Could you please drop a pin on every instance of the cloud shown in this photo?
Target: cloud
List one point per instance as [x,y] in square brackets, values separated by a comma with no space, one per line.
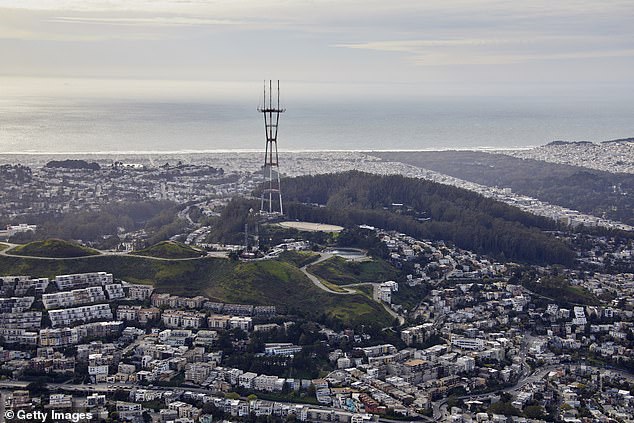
[509,49]
[412,46]
[442,59]
[351,40]
[146,21]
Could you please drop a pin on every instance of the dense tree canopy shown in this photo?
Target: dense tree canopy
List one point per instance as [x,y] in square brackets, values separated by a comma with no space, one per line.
[425,210]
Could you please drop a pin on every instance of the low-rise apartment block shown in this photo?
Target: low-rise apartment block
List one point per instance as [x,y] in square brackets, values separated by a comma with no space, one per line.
[139,292]
[75,297]
[83,314]
[15,304]
[22,320]
[83,280]
[183,319]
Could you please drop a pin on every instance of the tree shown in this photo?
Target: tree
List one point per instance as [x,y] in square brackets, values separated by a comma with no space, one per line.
[232,395]
[38,387]
[505,408]
[535,412]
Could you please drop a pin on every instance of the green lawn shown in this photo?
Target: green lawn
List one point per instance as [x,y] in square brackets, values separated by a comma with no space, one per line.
[298,258]
[169,250]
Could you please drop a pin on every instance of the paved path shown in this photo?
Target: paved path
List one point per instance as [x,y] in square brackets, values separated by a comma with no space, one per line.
[346,290]
[315,280]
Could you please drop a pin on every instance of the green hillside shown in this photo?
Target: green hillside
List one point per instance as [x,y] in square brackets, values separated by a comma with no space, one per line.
[268,282]
[53,248]
[298,258]
[170,250]
[343,272]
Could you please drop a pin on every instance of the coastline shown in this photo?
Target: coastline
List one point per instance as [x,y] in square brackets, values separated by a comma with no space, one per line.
[244,151]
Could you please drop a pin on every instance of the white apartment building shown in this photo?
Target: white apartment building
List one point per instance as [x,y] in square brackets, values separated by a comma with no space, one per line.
[18,336]
[139,292]
[247,379]
[15,304]
[82,280]
[71,316]
[468,343]
[128,313]
[23,320]
[75,297]
[580,316]
[286,349]
[114,291]
[218,321]
[95,400]
[385,294]
[183,319]
[20,285]
[98,373]
[465,364]
[377,350]
[241,322]
[205,338]
[268,383]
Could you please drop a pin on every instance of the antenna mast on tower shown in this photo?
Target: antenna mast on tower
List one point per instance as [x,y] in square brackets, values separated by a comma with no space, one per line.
[272,193]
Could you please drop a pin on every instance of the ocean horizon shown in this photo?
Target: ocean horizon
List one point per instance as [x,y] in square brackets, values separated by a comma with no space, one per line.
[72,121]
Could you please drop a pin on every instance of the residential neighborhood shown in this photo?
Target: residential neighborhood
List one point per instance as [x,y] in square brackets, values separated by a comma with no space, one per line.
[478,347]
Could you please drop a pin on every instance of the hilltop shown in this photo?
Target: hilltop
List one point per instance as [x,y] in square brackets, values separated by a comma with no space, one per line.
[56,248]
[562,142]
[73,164]
[170,250]
[343,272]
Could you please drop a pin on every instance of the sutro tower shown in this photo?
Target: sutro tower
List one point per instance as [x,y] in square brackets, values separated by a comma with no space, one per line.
[272,193]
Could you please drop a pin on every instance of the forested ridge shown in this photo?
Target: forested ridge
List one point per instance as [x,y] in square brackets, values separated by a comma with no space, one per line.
[602,194]
[73,164]
[158,217]
[426,210]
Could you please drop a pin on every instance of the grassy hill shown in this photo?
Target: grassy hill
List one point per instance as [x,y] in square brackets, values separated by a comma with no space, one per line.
[53,248]
[170,250]
[269,282]
[343,272]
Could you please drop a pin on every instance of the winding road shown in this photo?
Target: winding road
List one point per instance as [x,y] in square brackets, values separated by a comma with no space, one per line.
[346,290]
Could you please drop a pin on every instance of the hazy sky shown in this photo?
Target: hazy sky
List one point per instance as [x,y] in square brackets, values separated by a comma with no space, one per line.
[420,46]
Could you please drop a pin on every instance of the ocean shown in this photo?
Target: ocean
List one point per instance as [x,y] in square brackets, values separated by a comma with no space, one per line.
[91,123]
